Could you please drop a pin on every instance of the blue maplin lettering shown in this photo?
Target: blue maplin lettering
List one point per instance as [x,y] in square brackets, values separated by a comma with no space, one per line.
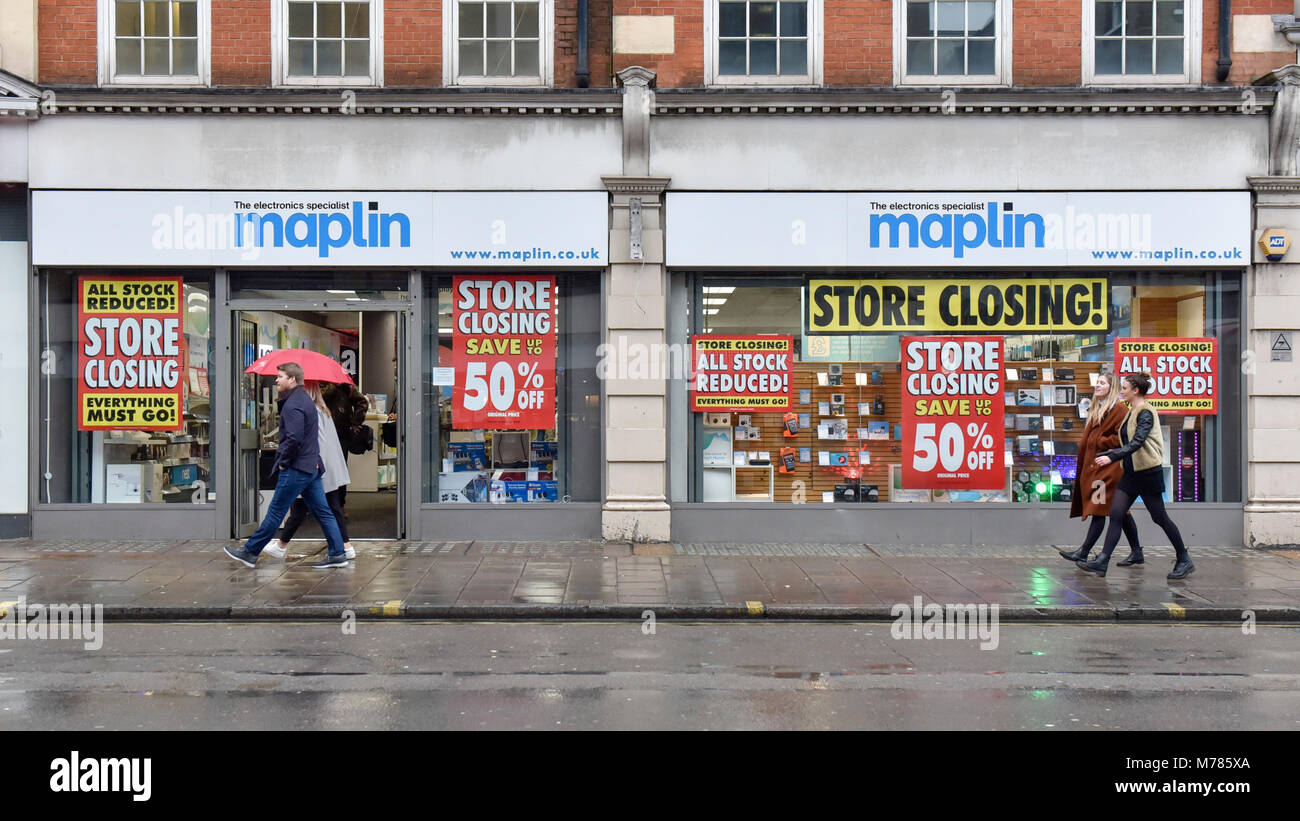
[323,231]
[958,231]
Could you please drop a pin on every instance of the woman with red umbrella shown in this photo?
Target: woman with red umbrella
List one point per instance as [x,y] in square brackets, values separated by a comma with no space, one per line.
[334,481]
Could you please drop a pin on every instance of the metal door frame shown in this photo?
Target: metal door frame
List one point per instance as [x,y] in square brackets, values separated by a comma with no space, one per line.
[408,431]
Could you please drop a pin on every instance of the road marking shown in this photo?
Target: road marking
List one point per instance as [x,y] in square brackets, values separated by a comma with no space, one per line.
[755,608]
[393,608]
[1175,610]
[4,607]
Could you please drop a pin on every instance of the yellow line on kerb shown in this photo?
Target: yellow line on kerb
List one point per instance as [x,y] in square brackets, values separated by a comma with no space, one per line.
[393,608]
[755,608]
[1175,610]
[4,607]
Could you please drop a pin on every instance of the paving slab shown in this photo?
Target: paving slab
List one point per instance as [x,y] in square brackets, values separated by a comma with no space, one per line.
[525,580]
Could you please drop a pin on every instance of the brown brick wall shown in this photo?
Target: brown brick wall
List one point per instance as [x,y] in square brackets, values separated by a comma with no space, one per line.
[599,43]
[412,43]
[1047,45]
[241,43]
[858,42]
[68,47]
[684,68]
[1246,68]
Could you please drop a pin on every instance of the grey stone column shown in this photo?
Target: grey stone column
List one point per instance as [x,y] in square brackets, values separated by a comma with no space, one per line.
[636,322]
[1272,511]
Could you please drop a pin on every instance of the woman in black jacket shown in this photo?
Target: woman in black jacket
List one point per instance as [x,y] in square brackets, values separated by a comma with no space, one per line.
[1142,451]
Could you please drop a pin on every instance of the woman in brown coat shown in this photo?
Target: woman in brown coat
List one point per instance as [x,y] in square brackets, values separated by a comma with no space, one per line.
[1100,434]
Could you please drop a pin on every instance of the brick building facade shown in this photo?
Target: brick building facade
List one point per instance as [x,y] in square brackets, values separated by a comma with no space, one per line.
[787,117]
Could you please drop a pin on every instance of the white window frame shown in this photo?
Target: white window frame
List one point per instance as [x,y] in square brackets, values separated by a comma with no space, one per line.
[815,54]
[280,52]
[1002,64]
[106,30]
[1191,75]
[545,50]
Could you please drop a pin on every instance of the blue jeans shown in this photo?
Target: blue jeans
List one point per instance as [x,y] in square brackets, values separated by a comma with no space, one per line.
[291,484]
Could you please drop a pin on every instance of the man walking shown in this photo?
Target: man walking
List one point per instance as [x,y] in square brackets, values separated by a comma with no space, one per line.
[298,460]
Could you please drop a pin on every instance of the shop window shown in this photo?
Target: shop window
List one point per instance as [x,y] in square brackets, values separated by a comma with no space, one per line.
[322,42]
[507,42]
[1141,42]
[756,42]
[952,42]
[555,461]
[842,440]
[125,388]
[152,42]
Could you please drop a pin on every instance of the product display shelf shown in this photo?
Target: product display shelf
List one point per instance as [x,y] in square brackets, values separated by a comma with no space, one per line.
[369,471]
[810,481]
[1031,463]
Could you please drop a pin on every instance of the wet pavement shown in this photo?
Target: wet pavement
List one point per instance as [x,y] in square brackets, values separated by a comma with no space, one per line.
[196,580]
[684,675]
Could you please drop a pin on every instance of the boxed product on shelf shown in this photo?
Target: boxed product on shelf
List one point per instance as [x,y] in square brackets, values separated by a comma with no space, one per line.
[543,491]
[467,455]
[179,475]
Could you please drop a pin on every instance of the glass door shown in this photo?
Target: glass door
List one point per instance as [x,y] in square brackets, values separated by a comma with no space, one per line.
[248,412]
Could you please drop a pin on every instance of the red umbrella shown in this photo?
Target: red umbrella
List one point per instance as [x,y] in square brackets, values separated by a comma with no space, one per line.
[315,367]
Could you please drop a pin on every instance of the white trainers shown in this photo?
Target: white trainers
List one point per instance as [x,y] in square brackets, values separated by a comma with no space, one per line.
[274,548]
[348,551]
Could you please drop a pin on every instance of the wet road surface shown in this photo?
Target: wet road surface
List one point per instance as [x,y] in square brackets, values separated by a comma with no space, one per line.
[722,675]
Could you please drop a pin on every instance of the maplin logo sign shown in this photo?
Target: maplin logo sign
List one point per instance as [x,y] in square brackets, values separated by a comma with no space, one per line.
[950,230]
[976,224]
[255,225]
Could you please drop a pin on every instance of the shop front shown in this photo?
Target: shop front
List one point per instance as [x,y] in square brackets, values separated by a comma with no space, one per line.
[461,317]
[917,368]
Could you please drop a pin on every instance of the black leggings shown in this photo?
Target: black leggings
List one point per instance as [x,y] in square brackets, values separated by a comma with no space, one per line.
[1099,522]
[298,512]
[1150,485]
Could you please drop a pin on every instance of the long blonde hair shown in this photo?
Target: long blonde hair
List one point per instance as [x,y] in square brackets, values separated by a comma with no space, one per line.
[313,390]
[1101,407]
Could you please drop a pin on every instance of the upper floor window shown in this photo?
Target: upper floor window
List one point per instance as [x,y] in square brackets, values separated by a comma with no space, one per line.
[153,42]
[763,42]
[1142,42]
[498,42]
[327,42]
[952,42]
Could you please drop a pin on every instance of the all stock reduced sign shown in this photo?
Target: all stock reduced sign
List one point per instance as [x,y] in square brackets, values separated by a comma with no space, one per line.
[1184,371]
[503,350]
[130,353]
[740,373]
[953,413]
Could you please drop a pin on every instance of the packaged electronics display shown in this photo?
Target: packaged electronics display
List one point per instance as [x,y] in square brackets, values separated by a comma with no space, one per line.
[815,445]
[788,460]
[791,424]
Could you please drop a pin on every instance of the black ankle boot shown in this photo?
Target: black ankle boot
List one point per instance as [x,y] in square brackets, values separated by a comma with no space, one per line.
[1182,568]
[1134,557]
[1097,565]
[1079,555]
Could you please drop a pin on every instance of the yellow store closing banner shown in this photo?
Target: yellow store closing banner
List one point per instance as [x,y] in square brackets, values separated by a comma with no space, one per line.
[977,305]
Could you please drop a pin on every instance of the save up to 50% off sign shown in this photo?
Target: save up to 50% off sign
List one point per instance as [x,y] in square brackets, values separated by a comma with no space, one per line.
[952,393]
[503,349]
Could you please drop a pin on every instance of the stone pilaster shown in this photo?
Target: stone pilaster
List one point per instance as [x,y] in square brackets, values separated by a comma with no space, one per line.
[1272,511]
[636,321]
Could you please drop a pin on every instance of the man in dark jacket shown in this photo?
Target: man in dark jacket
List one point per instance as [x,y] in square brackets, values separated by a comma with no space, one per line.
[298,461]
